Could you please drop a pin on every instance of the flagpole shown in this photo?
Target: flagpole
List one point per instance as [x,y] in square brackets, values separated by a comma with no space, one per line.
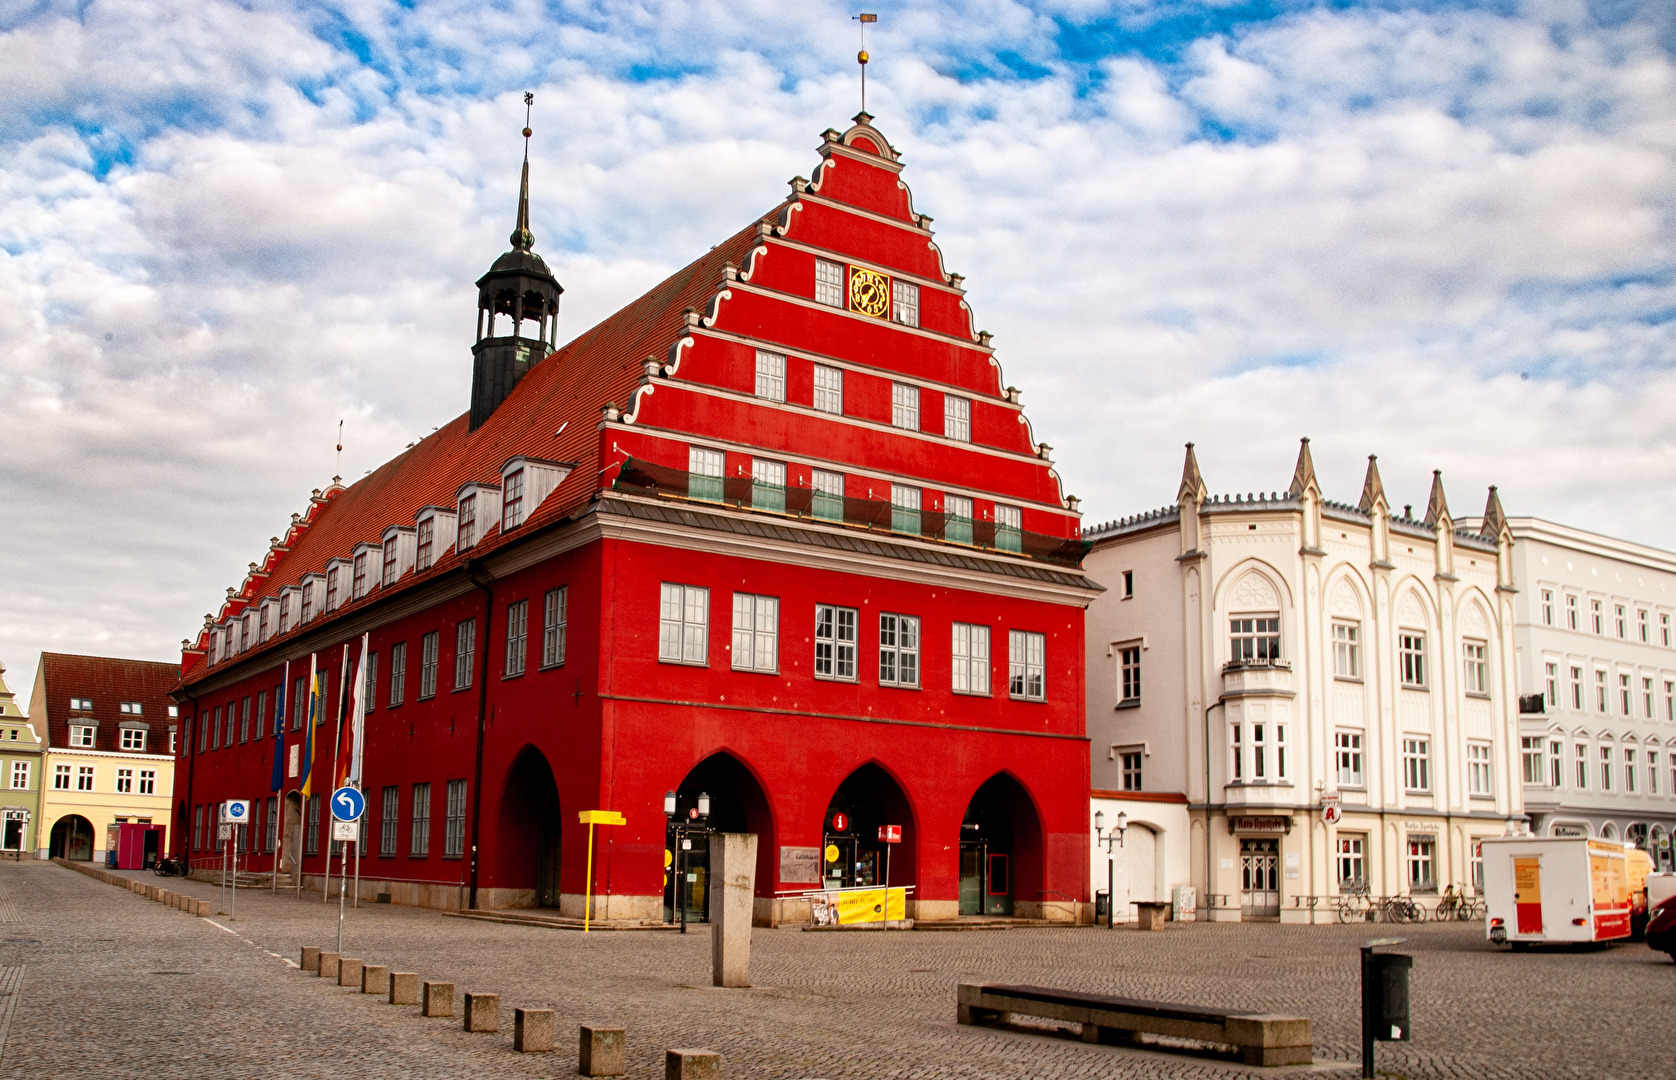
[305,781]
[278,771]
[337,746]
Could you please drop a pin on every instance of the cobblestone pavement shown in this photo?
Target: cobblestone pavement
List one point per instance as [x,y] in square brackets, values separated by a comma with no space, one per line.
[117,986]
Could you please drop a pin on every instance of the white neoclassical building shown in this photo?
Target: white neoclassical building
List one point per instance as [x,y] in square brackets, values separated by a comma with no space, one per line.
[1260,666]
[1597,668]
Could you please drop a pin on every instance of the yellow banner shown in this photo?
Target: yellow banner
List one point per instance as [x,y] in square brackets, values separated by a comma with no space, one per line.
[872,905]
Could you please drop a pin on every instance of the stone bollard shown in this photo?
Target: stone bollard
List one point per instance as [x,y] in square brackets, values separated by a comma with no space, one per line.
[328,966]
[311,958]
[404,988]
[349,972]
[165,897]
[482,1012]
[601,1052]
[532,1030]
[375,979]
[201,908]
[691,1065]
[439,999]
[733,866]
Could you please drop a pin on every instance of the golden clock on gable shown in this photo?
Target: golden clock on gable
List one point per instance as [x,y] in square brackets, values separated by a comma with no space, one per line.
[869,292]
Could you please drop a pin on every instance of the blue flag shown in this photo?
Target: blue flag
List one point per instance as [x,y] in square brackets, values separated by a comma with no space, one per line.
[278,780]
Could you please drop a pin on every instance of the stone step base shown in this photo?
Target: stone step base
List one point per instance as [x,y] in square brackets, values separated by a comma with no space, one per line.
[982,923]
[555,921]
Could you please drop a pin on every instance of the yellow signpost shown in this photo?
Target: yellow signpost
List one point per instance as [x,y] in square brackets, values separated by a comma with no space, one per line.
[590,818]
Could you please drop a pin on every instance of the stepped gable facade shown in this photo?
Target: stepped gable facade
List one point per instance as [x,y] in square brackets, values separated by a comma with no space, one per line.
[776,533]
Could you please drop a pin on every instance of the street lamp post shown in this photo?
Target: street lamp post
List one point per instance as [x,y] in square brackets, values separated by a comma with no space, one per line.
[1106,837]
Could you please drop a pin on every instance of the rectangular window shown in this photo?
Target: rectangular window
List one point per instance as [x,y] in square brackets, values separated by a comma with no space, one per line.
[1547,607]
[1669,701]
[1254,639]
[215,730]
[332,589]
[261,714]
[454,826]
[1577,688]
[311,826]
[284,614]
[771,375]
[1618,620]
[20,776]
[827,499]
[1556,763]
[1581,772]
[829,283]
[704,474]
[1009,532]
[389,822]
[1422,864]
[756,633]
[81,736]
[308,600]
[555,615]
[1237,747]
[517,637]
[1606,768]
[1629,770]
[1411,659]
[398,672]
[1129,675]
[197,828]
[1347,650]
[467,523]
[835,642]
[358,583]
[971,659]
[904,509]
[829,390]
[904,302]
[904,406]
[898,650]
[684,625]
[1652,772]
[512,501]
[1347,750]
[1664,630]
[125,781]
[1597,617]
[1352,859]
[957,519]
[1623,696]
[1129,767]
[262,624]
[1417,764]
[429,646]
[427,543]
[134,738]
[1570,612]
[299,703]
[369,684]
[1259,752]
[419,843]
[1027,665]
[1475,668]
[1647,698]
[1530,754]
[1641,625]
[244,722]
[768,485]
[1478,769]
[957,418]
[392,559]
[465,651]
[1600,691]
[1551,685]
[272,831]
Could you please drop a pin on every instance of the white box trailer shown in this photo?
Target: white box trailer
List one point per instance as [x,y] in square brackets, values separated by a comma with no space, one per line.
[1545,889]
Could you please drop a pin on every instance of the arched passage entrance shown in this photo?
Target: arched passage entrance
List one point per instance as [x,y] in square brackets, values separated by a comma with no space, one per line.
[738,803]
[72,838]
[527,844]
[1001,851]
[293,834]
[868,799]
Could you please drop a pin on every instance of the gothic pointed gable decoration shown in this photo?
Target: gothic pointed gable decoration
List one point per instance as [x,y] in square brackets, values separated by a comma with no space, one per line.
[1495,521]
[1192,484]
[1303,476]
[1373,489]
[1437,507]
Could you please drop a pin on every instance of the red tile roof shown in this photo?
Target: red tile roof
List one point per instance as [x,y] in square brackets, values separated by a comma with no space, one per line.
[107,681]
[552,414]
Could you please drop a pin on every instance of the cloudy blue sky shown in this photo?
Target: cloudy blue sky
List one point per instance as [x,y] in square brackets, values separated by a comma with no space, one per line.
[1441,232]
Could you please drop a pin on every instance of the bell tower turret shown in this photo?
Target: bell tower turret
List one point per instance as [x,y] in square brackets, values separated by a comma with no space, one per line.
[517,310]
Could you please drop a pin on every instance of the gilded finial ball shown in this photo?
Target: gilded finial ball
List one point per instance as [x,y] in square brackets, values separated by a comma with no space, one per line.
[528,133]
[861,57]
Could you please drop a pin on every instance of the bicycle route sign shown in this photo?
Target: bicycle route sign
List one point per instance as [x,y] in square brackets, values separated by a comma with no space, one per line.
[235,811]
[348,804]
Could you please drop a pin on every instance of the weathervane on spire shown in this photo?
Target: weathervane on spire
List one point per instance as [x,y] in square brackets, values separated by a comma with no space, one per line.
[522,238]
[861,57]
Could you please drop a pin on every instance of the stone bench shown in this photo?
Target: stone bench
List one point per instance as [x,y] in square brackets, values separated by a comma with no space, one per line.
[1150,914]
[1260,1038]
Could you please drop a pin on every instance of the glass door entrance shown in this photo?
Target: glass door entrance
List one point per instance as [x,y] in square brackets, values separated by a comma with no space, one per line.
[1260,879]
[986,886]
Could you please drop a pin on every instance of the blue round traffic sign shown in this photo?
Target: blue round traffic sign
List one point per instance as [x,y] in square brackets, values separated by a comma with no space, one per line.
[348,804]
[237,810]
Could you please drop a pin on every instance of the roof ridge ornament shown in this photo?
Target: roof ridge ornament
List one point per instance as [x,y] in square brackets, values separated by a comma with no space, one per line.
[1495,520]
[1373,488]
[1437,507]
[1192,483]
[1303,476]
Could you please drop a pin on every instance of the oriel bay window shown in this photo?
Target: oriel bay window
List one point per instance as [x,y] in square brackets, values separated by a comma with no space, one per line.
[898,650]
[970,652]
[835,642]
[756,633]
[684,624]
[1254,639]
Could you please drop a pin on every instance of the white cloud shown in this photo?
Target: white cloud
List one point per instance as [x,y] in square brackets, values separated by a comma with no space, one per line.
[1445,237]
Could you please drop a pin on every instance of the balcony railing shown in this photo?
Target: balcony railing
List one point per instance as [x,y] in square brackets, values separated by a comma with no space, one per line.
[745,493]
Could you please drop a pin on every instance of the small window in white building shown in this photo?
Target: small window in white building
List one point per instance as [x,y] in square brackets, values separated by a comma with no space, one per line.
[1478,770]
[1411,659]
[1254,639]
[1547,607]
[1551,685]
[1347,750]
[1352,859]
[1347,650]
[1475,667]
[1417,765]
[1422,864]
[1629,770]
[1530,756]
[1580,773]
[771,375]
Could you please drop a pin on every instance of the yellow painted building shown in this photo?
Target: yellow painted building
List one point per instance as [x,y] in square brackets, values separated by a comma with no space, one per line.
[111,730]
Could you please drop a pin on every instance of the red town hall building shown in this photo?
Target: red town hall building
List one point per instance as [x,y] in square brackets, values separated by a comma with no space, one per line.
[775,532]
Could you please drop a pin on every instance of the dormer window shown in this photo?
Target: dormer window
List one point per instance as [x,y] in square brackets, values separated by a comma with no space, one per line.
[308,601]
[392,560]
[245,640]
[331,588]
[512,502]
[81,704]
[284,611]
[262,623]
[358,584]
[133,738]
[427,542]
[131,708]
[468,523]
[81,735]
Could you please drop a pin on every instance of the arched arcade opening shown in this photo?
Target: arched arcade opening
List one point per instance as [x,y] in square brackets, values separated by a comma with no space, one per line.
[529,830]
[72,838]
[853,852]
[737,803]
[1001,851]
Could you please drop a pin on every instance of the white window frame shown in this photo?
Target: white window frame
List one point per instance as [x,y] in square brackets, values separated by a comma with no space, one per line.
[1129,674]
[1547,607]
[82,735]
[905,515]
[829,283]
[684,624]
[1551,683]
[771,376]
[904,406]
[1009,529]
[125,781]
[425,554]
[1254,638]
[358,577]
[1421,862]
[87,778]
[706,469]
[826,500]
[1131,769]
[969,649]
[133,739]
[756,633]
[512,501]
[555,620]
[61,778]
[1417,765]
[957,519]
[1475,668]
[1348,762]
[466,523]
[1026,665]
[392,563]
[828,394]
[1532,749]
[836,634]
[1480,782]
[1411,659]
[904,302]
[1350,855]
[517,639]
[20,775]
[1580,759]
[1347,650]
[768,485]
[1630,766]
[899,647]
[957,418]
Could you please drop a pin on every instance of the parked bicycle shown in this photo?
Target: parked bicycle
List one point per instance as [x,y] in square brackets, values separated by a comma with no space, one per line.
[1400,909]
[1455,904]
[167,867]
[1355,905]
